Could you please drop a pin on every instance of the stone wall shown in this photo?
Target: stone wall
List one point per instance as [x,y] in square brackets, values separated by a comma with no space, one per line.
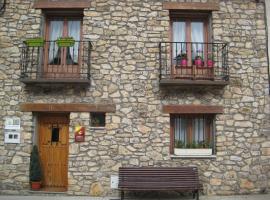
[125,71]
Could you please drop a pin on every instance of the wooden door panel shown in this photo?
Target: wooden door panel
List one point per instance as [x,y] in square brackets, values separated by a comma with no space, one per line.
[54,152]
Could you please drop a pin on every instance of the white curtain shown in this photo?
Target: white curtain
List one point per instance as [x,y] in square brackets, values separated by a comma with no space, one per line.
[56,31]
[74,30]
[197,36]
[198,129]
[180,129]
[179,35]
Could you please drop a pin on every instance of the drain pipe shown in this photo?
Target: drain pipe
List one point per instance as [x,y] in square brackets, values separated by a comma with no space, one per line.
[267,39]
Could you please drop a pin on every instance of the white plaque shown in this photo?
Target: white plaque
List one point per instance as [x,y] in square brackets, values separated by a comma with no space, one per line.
[13,123]
[114,182]
[12,136]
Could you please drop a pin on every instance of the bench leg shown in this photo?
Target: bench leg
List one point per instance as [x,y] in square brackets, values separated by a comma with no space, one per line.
[197,195]
[122,195]
[193,194]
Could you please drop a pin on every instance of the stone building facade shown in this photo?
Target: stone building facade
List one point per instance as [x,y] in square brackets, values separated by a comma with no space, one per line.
[125,77]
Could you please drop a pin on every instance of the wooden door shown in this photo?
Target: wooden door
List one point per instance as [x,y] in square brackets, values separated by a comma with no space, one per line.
[53,149]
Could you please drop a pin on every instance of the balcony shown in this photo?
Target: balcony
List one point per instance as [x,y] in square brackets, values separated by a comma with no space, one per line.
[193,64]
[52,64]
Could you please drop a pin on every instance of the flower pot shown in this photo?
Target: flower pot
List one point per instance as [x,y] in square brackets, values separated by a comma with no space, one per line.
[193,152]
[35,185]
[183,62]
[65,42]
[210,63]
[198,62]
[35,42]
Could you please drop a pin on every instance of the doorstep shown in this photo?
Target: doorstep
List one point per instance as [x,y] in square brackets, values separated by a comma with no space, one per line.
[49,191]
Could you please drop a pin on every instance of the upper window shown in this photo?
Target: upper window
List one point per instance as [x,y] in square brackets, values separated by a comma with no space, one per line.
[192,134]
[58,27]
[190,37]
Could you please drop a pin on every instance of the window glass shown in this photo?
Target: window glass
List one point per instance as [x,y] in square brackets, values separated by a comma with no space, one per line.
[98,119]
[56,31]
[179,36]
[74,31]
[197,37]
[55,135]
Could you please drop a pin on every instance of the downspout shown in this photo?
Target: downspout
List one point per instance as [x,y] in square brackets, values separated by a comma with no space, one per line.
[267,46]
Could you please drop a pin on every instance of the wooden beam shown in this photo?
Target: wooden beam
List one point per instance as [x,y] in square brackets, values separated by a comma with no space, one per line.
[192,109]
[190,6]
[45,4]
[67,107]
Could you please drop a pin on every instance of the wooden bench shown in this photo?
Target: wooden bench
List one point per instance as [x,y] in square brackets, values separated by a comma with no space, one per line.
[159,179]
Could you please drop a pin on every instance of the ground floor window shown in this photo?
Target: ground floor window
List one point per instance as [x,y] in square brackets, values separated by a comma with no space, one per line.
[98,119]
[192,132]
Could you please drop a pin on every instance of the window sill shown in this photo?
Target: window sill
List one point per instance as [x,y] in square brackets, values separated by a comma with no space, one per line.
[97,128]
[193,156]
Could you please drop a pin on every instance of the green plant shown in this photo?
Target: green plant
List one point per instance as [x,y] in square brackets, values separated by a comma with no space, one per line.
[95,121]
[65,41]
[181,56]
[203,144]
[35,168]
[210,56]
[191,145]
[198,58]
[179,144]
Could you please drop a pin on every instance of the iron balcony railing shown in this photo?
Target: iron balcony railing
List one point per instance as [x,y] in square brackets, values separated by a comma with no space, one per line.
[51,61]
[193,61]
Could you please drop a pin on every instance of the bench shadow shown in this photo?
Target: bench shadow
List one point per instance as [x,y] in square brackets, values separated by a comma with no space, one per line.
[158,195]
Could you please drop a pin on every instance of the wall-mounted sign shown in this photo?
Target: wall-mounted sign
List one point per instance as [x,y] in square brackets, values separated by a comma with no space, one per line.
[114,181]
[12,136]
[12,130]
[79,134]
[13,123]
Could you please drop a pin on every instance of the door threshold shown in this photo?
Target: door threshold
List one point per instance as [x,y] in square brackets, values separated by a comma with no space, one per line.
[50,190]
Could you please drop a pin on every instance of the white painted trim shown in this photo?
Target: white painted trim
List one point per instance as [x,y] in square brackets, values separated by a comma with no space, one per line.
[194,156]
[192,152]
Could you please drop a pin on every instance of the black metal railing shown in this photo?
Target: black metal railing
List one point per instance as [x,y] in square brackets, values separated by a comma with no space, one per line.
[193,60]
[51,61]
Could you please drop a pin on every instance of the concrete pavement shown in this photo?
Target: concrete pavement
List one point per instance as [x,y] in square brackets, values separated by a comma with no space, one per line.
[237,197]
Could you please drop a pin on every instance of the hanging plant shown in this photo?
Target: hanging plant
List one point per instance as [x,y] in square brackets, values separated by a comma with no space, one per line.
[65,41]
[35,42]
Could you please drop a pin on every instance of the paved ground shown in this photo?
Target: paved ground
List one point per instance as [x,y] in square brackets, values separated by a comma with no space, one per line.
[240,197]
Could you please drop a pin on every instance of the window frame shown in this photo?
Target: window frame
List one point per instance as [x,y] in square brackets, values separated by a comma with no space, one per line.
[91,119]
[61,68]
[211,126]
[190,17]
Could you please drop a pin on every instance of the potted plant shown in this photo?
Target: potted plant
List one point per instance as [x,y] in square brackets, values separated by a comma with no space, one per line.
[198,61]
[210,60]
[65,41]
[35,169]
[181,59]
[35,42]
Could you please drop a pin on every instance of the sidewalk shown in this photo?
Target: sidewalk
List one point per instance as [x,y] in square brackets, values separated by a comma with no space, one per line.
[239,197]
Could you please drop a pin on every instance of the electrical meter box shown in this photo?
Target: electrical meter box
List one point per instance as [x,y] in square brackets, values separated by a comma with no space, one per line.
[12,130]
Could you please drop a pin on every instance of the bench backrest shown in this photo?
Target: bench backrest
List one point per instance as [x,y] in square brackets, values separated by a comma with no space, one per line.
[158,178]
